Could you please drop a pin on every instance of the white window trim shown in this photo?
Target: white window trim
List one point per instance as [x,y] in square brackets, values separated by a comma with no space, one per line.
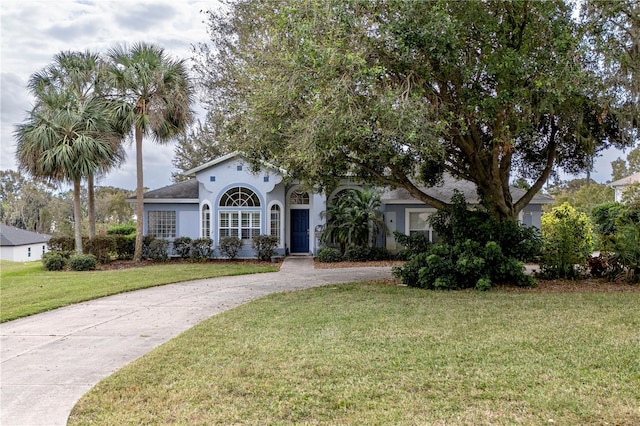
[211,221]
[407,218]
[282,221]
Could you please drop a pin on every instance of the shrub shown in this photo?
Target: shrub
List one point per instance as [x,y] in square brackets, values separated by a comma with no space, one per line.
[124,245]
[230,247]
[567,242]
[158,250]
[182,246]
[413,244]
[265,246]
[379,253]
[627,251]
[55,260]
[147,240]
[61,243]
[329,254]
[356,254]
[83,262]
[122,229]
[101,246]
[201,248]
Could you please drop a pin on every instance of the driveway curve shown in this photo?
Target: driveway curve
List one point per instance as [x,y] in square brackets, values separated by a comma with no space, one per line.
[49,360]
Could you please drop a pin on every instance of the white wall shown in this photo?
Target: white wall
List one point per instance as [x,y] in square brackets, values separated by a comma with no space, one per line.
[23,253]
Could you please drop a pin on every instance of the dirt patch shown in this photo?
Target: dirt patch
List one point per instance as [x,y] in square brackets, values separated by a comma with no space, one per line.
[126,264]
[334,265]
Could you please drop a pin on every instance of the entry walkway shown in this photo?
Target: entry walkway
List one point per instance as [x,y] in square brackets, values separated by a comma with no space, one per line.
[49,360]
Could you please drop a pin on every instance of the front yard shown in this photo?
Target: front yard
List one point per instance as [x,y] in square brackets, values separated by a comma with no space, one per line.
[386,354]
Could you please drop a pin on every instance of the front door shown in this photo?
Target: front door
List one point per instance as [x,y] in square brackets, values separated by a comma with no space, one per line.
[300,231]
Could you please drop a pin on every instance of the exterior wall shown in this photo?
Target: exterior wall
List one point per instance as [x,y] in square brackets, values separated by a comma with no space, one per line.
[187,217]
[531,215]
[23,253]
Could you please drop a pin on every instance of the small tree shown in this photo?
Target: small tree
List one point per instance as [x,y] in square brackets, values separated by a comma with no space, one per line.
[230,246]
[265,246]
[567,241]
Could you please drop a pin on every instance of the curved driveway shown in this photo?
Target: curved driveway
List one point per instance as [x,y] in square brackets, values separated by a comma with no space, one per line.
[49,360]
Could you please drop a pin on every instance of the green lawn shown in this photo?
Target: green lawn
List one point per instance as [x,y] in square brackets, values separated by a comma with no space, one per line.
[389,355]
[27,289]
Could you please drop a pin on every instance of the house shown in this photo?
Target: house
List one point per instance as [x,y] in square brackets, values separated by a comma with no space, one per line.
[225,197]
[621,185]
[19,245]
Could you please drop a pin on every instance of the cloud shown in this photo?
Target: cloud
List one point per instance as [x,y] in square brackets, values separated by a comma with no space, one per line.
[145,16]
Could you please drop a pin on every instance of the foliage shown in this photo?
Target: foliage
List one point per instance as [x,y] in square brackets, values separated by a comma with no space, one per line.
[55,260]
[201,248]
[122,229]
[194,148]
[604,216]
[265,246]
[353,219]
[125,245]
[61,243]
[329,255]
[102,247]
[157,95]
[475,251]
[567,241]
[182,246]
[412,244]
[397,93]
[583,195]
[379,253]
[626,247]
[356,254]
[230,247]
[159,250]
[83,262]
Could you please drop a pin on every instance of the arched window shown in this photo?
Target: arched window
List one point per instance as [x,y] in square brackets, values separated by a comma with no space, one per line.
[206,221]
[274,223]
[240,214]
[299,197]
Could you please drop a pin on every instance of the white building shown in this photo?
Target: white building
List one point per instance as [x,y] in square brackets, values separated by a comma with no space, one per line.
[19,245]
[621,185]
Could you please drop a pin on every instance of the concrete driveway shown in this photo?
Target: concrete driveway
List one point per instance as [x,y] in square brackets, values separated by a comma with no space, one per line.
[49,360]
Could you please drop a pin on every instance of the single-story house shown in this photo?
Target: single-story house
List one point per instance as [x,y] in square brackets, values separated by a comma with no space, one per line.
[621,185]
[19,245]
[225,197]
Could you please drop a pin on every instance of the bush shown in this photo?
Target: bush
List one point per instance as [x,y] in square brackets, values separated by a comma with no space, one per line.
[182,247]
[265,246]
[55,260]
[147,240]
[475,251]
[627,251]
[201,248]
[230,247]
[158,250]
[413,244]
[329,254]
[101,246]
[61,243]
[379,253]
[125,245]
[356,254]
[83,262]
[567,242]
[123,229]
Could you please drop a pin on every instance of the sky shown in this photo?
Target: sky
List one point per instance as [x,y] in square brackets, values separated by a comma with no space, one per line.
[33,31]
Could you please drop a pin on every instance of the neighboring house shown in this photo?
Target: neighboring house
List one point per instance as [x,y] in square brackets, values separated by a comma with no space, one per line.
[621,185]
[20,245]
[226,197]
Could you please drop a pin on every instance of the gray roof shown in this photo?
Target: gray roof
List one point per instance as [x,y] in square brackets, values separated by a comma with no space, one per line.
[445,190]
[11,236]
[626,181]
[187,189]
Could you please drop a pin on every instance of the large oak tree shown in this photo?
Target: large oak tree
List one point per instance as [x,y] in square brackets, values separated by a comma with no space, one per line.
[398,92]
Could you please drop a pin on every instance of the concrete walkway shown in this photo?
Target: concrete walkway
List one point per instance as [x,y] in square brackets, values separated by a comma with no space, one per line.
[49,360]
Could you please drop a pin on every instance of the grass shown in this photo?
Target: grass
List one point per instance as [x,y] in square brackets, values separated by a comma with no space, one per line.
[27,289]
[378,354]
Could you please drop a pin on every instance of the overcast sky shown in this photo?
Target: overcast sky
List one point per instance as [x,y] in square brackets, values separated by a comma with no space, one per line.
[33,31]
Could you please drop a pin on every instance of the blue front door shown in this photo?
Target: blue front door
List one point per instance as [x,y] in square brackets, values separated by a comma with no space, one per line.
[300,231]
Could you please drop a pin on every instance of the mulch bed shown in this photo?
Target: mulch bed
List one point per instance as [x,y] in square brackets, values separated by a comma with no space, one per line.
[126,264]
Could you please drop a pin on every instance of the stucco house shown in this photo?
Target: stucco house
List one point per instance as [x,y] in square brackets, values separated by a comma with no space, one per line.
[19,245]
[621,185]
[225,197]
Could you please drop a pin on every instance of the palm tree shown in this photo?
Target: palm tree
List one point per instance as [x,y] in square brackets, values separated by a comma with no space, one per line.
[65,140]
[159,94]
[354,219]
[80,74]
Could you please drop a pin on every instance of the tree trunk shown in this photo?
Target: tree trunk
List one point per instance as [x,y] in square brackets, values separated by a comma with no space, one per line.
[137,257]
[77,216]
[91,202]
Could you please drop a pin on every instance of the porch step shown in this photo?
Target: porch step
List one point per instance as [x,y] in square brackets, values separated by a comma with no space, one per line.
[296,263]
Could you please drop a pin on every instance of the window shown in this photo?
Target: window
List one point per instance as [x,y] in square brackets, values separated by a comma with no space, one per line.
[418,222]
[299,197]
[239,214]
[206,221]
[162,224]
[275,221]
[28,251]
